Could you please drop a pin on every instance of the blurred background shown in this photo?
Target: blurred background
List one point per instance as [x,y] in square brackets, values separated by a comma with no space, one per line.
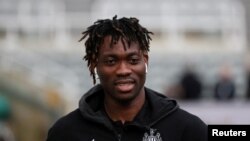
[200,55]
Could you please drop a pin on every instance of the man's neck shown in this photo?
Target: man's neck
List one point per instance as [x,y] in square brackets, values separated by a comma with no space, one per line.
[124,112]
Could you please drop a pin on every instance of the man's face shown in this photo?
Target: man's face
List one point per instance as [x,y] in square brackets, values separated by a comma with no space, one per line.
[121,72]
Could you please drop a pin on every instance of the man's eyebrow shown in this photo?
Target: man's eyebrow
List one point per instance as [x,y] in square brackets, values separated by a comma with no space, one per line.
[133,53]
[109,55]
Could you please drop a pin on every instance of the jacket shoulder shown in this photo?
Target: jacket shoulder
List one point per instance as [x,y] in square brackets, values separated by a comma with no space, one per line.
[194,128]
[58,130]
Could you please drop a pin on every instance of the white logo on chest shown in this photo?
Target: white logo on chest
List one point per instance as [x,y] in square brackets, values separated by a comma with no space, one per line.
[152,136]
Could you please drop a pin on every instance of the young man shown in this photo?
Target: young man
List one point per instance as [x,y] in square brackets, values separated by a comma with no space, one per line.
[120,108]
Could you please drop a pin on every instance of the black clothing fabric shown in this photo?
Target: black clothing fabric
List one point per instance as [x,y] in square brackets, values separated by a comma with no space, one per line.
[160,119]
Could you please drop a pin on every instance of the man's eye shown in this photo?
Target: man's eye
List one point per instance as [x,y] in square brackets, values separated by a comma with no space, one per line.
[134,61]
[110,61]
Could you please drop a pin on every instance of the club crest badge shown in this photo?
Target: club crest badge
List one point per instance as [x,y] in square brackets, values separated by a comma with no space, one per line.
[152,136]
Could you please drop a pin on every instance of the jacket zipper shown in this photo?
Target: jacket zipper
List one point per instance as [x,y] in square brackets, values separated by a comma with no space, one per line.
[119,137]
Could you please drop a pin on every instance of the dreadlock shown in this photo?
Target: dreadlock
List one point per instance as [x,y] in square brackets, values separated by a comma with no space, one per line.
[127,29]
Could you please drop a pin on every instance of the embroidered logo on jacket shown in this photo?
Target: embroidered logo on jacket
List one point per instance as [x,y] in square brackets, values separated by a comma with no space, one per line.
[152,136]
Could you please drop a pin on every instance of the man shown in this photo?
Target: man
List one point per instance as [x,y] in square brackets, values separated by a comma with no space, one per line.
[120,108]
[190,84]
[225,87]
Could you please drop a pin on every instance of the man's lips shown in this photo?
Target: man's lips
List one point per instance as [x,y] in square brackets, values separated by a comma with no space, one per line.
[124,81]
[124,85]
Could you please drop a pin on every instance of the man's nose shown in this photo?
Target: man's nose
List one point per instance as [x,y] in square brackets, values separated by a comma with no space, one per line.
[123,69]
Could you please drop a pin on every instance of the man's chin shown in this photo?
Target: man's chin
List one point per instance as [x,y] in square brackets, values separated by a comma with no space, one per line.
[125,98]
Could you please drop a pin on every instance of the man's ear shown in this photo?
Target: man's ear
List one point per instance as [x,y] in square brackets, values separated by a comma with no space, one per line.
[93,66]
[145,57]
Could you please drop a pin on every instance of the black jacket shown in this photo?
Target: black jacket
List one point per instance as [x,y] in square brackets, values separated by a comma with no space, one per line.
[160,119]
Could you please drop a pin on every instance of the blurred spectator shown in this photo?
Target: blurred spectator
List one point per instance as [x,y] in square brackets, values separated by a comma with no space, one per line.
[248,86]
[190,84]
[225,87]
[5,132]
[248,79]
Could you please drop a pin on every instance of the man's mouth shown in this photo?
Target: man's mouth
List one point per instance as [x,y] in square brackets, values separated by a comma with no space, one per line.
[124,85]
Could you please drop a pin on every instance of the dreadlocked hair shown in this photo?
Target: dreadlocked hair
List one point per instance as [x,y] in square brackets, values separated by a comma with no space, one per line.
[128,29]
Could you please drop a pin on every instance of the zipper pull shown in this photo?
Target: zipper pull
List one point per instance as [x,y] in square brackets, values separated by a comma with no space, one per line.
[119,136]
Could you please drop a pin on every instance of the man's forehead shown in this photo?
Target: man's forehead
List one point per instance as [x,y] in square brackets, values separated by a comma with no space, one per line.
[116,51]
[120,44]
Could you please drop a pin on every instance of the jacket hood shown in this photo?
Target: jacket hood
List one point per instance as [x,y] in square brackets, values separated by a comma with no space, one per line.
[156,107]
